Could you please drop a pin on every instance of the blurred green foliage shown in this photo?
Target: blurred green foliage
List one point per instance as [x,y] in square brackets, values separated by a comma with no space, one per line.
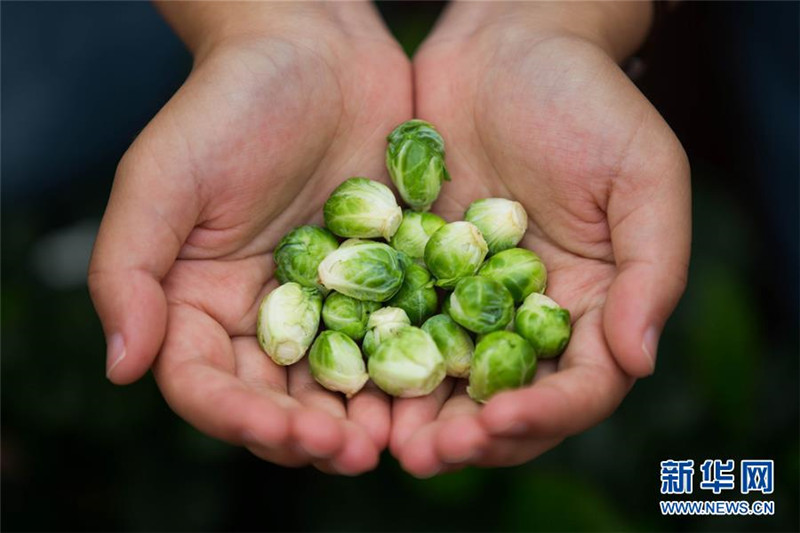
[79,453]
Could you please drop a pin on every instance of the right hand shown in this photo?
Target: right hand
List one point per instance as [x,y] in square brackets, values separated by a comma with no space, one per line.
[266,125]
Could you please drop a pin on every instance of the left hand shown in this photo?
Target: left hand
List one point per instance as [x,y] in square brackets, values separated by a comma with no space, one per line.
[541,113]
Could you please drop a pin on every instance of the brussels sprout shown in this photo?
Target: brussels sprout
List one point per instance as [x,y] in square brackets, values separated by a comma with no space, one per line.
[414,232]
[288,319]
[336,363]
[519,270]
[454,251]
[348,315]
[446,303]
[362,208]
[415,160]
[369,271]
[454,344]
[481,304]
[502,222]
[502,360]
[544,324]
[416,297]
[383,324]
[408,364]
[354,242]
[300,252]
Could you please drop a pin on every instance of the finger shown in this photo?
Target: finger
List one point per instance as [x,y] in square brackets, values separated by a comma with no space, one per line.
[586,389]
[150,212]
[195,373]
[371,408]
[418,453]
[459,438]
[410,414]
[513,451]
[359,453]
[318,427]
[649,215]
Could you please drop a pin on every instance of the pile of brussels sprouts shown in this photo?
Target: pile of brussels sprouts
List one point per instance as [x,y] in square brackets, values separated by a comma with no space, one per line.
[430,299]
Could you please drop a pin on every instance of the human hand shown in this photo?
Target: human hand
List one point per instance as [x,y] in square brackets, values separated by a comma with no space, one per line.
[283,103]
[534,108]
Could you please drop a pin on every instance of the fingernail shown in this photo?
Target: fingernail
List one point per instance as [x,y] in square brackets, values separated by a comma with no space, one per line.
[115,353]
[511,429]
[310,450]
[650,345]
[429,474]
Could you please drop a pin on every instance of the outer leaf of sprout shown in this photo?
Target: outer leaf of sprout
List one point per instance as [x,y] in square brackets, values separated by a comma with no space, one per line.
[408,364]
[288,319]
[383,324]
[348,315]
[454,344]
[519,270]
[503,360]
[300,252]
[416,297]
[454,251]
[369,271]
[481,304]
[502,222]
[415,160]
[544,324]
[414,232]
[336,363]
[362,208]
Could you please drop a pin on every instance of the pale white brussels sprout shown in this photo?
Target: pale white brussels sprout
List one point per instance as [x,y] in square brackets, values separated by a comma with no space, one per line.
[417,297]
[415,160]
[370,271]
[362,208]
[503,360]
[348,315]
[502,222]
[414,232]
[544,324]
[383,324]
[288,319]
[519,270]
[336,363]
[454,344]
[454,251]
[299,254]
[408,364]
[481,304]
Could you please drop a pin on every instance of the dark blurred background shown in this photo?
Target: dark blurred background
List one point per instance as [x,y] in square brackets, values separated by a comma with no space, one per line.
[79,80]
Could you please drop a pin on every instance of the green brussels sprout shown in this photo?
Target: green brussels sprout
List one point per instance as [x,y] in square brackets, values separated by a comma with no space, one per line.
[519,270]
[370,271]
[408,364]
[454,344]
[454,251]
[481,304]
[336,363]
[362,208]
[348,315]
[414,232]
[416,297]
[503,360]
[354,242]
[415,160]
[502,222]
[288,319]
[544,324]
[300,252]
[446,303]
[383,324]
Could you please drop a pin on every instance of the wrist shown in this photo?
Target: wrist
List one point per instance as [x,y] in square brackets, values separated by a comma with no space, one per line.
[203,26]
[618,28]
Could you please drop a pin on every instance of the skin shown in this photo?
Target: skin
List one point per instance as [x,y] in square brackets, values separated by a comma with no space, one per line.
[271,119]
[273,116]
[534,107]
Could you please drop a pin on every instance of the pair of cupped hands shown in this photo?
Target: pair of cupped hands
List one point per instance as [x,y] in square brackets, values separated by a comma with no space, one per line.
[284,102]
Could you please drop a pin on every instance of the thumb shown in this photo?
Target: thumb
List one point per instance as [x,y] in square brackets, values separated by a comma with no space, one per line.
[649,215]
[148,217]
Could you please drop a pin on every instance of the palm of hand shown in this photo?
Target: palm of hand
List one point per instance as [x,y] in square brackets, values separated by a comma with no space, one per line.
[281,127]
[554,125]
